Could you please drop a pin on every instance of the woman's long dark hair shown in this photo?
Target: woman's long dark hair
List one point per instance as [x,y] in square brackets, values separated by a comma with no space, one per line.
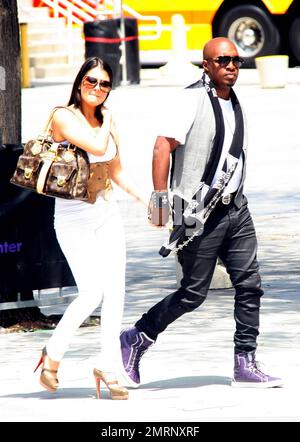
[89,63]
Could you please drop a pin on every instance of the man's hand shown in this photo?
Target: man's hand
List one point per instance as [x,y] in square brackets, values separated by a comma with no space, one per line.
[159,209]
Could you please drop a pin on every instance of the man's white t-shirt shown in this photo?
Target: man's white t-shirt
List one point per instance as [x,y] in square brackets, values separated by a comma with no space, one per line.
[229,123]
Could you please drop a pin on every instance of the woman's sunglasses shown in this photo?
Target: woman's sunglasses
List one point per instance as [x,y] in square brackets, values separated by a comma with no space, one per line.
[92,82]
[224,60]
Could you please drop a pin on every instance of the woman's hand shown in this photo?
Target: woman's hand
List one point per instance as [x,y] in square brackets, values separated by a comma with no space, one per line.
[68,125]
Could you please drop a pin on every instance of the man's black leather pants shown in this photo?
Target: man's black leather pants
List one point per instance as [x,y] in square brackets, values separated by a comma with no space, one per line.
[230,235]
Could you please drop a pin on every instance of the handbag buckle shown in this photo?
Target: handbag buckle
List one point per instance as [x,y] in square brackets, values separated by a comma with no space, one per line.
[61,180]
[51,154]
[28,173]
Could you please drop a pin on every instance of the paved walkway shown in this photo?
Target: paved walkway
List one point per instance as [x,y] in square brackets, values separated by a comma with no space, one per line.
[186,375]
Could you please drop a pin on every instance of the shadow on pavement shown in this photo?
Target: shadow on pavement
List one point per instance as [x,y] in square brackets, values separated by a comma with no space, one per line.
[62,393]
[187,382]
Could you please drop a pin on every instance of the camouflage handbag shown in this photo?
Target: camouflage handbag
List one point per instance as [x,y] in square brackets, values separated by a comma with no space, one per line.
[54,169]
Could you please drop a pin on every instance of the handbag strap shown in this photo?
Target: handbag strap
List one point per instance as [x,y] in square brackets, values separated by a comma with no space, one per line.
[47,163]
[47,129]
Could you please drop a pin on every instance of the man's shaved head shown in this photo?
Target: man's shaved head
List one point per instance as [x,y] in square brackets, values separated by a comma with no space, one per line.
[218,46]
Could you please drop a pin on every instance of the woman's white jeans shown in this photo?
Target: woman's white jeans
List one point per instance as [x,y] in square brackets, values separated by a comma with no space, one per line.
[92,240]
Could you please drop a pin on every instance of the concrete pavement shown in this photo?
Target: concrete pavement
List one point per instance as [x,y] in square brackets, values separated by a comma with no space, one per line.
[186,375]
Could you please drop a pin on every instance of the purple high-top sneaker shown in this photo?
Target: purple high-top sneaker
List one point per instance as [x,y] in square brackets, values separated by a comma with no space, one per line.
[133,345]
[248,374]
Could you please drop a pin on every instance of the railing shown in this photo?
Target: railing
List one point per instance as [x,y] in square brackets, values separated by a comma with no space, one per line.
[72,10]
[73,13]
[78,12]
[150,18]
[43,298]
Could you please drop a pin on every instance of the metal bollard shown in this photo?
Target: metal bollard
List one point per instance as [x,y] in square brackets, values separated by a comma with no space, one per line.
[178,67]
[179,40]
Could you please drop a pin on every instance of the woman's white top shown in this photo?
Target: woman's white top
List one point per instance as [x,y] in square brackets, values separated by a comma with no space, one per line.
[68,211]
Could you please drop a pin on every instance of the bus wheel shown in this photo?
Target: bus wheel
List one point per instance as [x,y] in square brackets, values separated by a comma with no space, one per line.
[251,29]
[294,38]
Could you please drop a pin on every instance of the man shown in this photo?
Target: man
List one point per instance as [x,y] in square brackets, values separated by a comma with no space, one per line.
[211,216]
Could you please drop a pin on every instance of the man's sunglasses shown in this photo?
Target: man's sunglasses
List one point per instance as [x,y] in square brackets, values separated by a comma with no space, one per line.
[224,60]
[92,82]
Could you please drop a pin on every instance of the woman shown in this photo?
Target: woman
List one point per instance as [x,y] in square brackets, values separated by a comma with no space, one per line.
[91,235]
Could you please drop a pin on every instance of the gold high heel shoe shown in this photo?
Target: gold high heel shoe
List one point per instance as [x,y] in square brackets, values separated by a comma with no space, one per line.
[48,377]
[116,391]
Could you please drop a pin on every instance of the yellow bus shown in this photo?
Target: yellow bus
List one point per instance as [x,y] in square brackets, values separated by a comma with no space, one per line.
[258,27]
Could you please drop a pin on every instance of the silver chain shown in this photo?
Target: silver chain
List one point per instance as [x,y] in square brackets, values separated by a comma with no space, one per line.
[210,207]
[180,247]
